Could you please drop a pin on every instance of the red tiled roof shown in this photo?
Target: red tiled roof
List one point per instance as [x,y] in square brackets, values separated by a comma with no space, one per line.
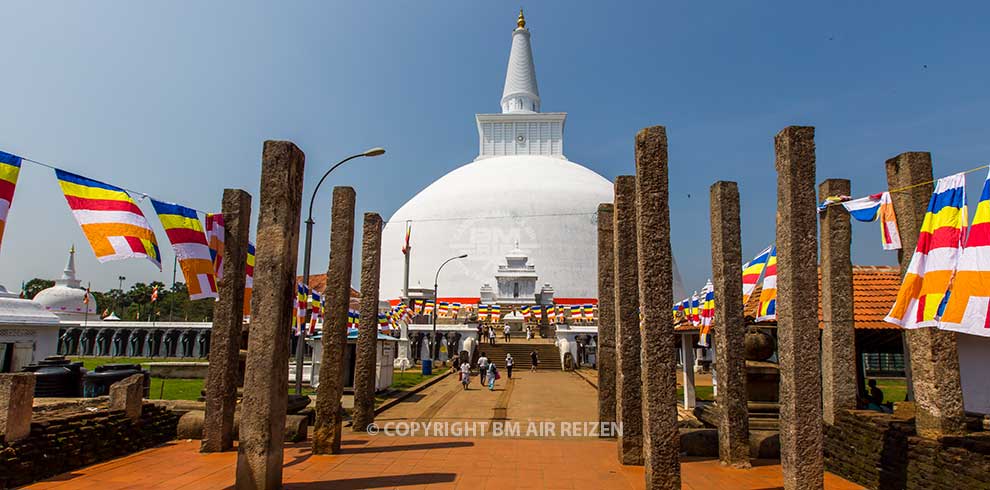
[318,282]
[874,291]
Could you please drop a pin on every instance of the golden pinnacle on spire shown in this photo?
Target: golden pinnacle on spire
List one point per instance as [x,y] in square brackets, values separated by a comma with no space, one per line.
[521,21]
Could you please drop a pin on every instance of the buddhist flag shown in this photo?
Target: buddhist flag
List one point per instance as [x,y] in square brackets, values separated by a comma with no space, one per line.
[189,243]
[10,168]
[695,311]
[589,312]
[707,314]
[869,209]
[768,296]
[442,309]
[316,306]
[428,308]
[302,304]
[924,289]
[482,312]
[496,312]
[455,308]
[110,219]
[752,271]
[405,246]
[968,307]
[575,312]
[249,280]
[214,238]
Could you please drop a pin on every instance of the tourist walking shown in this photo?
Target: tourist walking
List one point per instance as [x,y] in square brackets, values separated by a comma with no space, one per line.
[529,332]
[492,376]
[465,374]
[534,360]
[491,335]
[505,333]
[508,365]
[483,367]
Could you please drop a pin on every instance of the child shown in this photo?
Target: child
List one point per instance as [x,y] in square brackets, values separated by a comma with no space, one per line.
[492,374]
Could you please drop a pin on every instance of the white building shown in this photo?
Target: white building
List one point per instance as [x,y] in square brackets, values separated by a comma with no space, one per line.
[520,189]
[28,333]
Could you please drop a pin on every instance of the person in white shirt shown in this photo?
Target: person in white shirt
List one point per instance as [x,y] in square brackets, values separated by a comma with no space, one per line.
[465,374]
[508,365]
[483,367]
[505,332]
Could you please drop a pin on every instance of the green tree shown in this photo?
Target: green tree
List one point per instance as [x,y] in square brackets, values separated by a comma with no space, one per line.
[35,286]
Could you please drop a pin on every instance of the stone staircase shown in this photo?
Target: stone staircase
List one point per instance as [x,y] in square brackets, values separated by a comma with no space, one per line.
[548,354]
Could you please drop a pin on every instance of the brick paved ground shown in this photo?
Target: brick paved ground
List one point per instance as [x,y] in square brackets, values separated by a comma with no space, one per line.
[436,462]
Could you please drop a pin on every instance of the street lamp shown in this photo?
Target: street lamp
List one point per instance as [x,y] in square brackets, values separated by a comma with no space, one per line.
[301,340]
[436,306]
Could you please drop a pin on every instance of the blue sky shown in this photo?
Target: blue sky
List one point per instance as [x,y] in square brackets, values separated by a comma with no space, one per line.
[175,98]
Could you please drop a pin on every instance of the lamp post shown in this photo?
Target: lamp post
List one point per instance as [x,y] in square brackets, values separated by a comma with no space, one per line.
[301,340]
[436,306]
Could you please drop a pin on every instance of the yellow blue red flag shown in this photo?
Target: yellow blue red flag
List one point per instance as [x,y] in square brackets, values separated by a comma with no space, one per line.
[185,232]
[10,169]
[768,296]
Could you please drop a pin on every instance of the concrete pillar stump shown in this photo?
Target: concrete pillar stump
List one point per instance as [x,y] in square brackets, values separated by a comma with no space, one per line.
[628,385]
[661,446]
[127,395]
[730,328]
[797,323]
[266,382]
[16,405]
[839,360]
[326,431]
[933,356]
[364,362]
[228,320]
[606,315]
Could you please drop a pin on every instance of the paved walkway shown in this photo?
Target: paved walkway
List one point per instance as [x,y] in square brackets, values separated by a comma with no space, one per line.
[415,463]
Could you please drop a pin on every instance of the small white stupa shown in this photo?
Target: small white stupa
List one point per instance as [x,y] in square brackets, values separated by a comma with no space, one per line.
[66,299]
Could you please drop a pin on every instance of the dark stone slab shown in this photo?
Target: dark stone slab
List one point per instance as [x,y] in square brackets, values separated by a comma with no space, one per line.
[16,403]
[364,362]
[628,385]
[606,315]
[126,396]
[328,426]
[228,319]
[266,383]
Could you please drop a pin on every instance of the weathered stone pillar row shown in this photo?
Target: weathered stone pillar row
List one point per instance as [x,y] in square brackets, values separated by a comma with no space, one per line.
[933,352]
[730,328]
[628,387]
[326,430]
[661,445]
[228,318]
[364,365]
[266,384]
[838,329]
[606,315]
[797,320]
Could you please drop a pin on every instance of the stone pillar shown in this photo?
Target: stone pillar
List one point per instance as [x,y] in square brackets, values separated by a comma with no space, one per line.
[933,352]
[730,328]
[364,362]
[661,446]
[606,316]
[687,370]
[16,405]
[266,380]
[839,362]
[228,318]
[127,395]
[797,319]
[628,387]
[326,430]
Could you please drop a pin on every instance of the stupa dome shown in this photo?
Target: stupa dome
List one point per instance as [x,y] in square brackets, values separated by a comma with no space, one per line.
[66,299]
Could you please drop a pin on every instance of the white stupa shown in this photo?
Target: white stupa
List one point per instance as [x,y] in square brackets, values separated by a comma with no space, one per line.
[66,298]
[521,189]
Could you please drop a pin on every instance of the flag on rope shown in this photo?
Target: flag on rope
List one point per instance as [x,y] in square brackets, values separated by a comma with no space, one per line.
[752,271]
[185,232]
[524,311]
[10,168]
[707,314]
[576,312]
[428,308]
[695,310]
[110,219]
[443,309]
[496,312]
[302,305]
[869,208]
[589,312]
[382,322]
[925,286]
[214,238]
[352,318]
[482,312]
[249,279]
[316,307]
[768,296]
[405,246]
[154,294]
[455,308]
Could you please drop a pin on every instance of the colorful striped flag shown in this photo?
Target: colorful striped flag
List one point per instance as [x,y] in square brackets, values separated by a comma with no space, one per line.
[214,238]
[496,312]
[482,312]
[185,232]
[524,311]
[442,309]
[707,314]
[316,306]
[455,308]
[968,307]
[752,271]
[10,169]
[382,322]
[302,305]
[405,246]
[877,205]
[576,312]
[428,307]
[249,280]
[110,219]
[768,296]
[924,289]
[695,310]
[589,312]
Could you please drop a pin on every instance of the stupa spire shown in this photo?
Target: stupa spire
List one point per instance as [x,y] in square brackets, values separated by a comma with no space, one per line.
[69,273]
[520,93]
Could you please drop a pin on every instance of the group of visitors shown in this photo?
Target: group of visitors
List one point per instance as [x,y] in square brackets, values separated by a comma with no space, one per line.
[489,372]
[488,332]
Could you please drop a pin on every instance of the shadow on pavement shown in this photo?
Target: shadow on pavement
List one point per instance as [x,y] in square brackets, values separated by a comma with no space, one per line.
[375,482]
[408,447]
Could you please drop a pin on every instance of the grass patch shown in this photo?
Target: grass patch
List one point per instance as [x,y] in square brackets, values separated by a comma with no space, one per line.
[894,390]
[410,378]
[176,389]
[705,393]
[91,363]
